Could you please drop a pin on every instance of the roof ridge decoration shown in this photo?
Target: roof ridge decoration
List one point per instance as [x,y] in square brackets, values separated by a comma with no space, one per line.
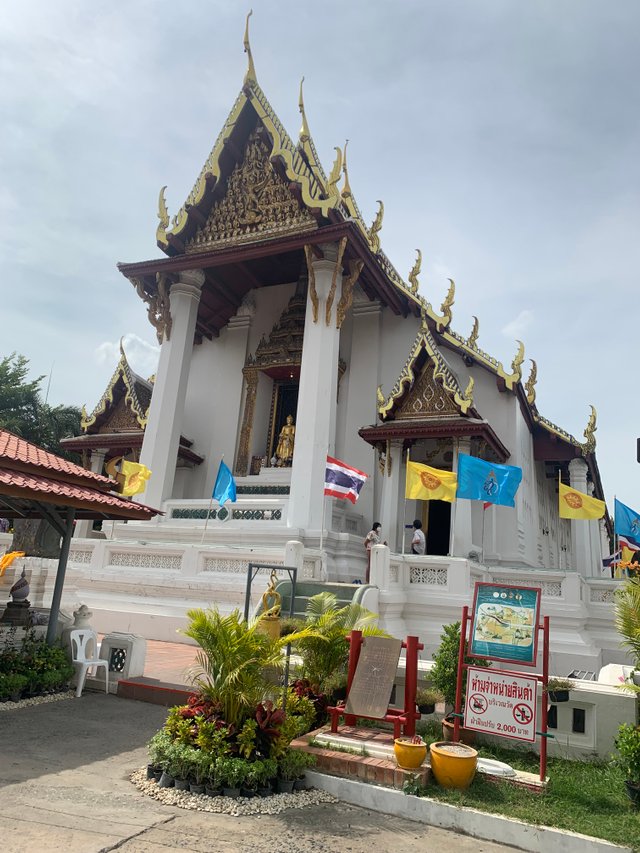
[442,372]
[415,271]
[475,330]
[250,75]
[530,387]
[305,141]
[587,446]
[123,371]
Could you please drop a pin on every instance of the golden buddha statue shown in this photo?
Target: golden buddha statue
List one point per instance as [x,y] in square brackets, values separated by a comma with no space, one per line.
[286,440]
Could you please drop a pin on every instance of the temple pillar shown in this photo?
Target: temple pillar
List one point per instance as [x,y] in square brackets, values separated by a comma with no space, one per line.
[317,398]
[162,434]
[84,527]
[390,497]
[580,533]
[595,540]
[461,533]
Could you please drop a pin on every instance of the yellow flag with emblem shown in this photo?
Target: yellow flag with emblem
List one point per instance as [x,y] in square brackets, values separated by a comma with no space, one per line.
[430,484]
[135,478]
[574,504]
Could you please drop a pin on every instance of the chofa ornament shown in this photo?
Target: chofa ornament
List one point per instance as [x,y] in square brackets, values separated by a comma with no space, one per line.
[20,590]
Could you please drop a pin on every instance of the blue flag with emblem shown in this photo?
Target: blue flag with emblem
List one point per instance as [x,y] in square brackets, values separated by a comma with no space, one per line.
[479,480]
[225,487]
[627,523]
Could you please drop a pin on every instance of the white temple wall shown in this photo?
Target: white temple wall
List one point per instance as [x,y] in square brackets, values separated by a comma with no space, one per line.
[360,348]
[264,393]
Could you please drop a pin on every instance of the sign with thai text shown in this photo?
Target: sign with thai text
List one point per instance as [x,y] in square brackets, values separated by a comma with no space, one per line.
[374,676]
[505,623]
[501,703]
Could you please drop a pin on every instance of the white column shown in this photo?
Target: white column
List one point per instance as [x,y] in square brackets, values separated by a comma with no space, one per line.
[317,397]
[461,538]
[580,533]
[162,435]
[595,541]
[391,515]
[96,464]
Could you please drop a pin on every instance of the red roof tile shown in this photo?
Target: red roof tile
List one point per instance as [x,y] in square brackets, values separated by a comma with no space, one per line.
[67,491]
[17,449]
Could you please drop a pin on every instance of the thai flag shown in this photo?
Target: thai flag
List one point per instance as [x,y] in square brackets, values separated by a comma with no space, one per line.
[343,481]
[612,558]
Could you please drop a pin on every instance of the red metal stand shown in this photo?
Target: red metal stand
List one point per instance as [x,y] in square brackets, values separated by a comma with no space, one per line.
[404,720]
[544,678]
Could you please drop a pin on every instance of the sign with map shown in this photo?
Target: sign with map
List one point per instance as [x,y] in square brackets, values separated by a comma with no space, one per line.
[374,677]
[505,623]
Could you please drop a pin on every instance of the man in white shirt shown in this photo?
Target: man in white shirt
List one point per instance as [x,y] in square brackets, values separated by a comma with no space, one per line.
[418,543]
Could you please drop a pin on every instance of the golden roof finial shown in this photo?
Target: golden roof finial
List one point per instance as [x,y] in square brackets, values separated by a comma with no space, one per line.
[85,420]
[250,76]
[516,364]
[530,387]
[473,337]
[379,395]
[335,172]
[413,275]
[304,134]
[122,355]
[445,308]
[163,216]
[346,187]
[376,227]
[424,325]
[589,434]
[468,394]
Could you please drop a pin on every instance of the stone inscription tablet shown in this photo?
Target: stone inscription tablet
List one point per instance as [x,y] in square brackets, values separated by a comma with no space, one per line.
[373,680]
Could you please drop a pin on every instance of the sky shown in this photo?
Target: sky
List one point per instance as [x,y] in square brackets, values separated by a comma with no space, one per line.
[502,136]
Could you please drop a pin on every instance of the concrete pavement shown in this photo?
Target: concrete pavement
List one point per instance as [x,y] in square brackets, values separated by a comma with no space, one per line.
[64,771]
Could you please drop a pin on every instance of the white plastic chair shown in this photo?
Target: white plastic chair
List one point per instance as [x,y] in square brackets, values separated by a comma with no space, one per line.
[84,641]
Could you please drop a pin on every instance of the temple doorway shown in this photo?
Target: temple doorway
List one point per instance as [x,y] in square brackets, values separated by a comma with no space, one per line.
[438,527]
[284,403]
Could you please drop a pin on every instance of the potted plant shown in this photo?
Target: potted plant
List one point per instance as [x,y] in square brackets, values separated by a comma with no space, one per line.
[444,675]
[11,686]
[628,746]
[558,689]
[453,764]
[427,698]
[290,766]
[233,772]
[212,776]
[410,752]
[158,753]
[179,760]
[199,771]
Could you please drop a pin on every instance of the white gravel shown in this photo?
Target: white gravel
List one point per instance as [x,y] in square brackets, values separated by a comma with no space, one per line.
[37,700]
[272,805]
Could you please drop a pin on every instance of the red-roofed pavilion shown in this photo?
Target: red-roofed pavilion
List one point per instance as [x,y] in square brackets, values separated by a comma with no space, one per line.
[37,484]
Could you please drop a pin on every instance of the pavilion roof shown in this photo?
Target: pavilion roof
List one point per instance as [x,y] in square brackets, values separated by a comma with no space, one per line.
[35,483]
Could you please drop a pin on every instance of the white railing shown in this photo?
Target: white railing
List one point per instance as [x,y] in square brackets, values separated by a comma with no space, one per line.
[245,509]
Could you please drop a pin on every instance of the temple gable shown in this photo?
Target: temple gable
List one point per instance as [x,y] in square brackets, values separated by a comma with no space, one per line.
[427,398]
[257,203]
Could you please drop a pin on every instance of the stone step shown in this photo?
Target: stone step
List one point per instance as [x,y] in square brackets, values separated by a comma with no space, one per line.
[154,691]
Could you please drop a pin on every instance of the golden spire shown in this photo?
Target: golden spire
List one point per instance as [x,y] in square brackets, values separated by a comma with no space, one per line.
[163,216]
[250,76]
[346,187]
[122,355]
[473,337]
[530,387]
[589,434]
[304,134]
[376,227]
[413,275]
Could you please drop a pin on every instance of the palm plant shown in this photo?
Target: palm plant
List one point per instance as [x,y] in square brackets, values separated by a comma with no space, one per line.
[325,651]
[230,667]
[627,604]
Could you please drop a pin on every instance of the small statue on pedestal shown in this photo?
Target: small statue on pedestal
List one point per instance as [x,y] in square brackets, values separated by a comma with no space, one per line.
[286,441]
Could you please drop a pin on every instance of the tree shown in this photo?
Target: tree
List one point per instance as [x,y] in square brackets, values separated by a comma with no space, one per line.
[23,412]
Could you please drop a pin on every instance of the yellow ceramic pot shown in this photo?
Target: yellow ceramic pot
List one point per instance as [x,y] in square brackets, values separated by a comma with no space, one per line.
[453,764]
[409,755]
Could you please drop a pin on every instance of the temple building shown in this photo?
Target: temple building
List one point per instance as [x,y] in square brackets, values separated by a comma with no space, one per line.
[287,334]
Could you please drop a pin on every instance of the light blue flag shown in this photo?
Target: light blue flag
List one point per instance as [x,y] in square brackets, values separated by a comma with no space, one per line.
[485,481]
[627,523]
[225,487]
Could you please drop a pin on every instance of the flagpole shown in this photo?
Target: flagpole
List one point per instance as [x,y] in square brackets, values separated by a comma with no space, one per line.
[614,571]
[484,512]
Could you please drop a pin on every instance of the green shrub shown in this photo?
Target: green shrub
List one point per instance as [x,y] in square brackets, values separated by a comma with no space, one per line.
[233,771]
[293,762]
[11,684]
[628,746]
[445,670]
[158,748]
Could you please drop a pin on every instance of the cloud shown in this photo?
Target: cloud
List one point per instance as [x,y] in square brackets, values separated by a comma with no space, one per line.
[519,325]
[141,355]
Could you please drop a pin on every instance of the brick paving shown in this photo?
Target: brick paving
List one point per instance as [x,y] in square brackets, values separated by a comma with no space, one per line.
[168,662]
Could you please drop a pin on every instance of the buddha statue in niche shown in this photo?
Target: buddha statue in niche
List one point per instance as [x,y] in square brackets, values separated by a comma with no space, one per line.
[286,441]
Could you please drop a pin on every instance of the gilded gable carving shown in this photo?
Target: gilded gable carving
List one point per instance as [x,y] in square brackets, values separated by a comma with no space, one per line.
[427,398]
[257,204]
[121,419]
